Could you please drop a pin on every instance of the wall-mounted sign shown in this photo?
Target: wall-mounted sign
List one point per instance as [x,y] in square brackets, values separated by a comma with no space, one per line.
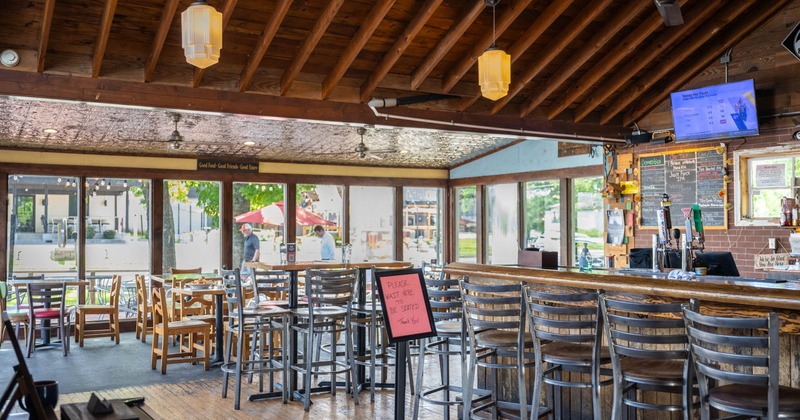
[792,41]
[766,261]
[216,165]
[404,299]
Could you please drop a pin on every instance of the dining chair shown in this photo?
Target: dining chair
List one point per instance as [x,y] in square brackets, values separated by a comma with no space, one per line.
[16,316]
[737,361]
[198,333]
[649,356]
[142,309]
[111,310]
[47,303]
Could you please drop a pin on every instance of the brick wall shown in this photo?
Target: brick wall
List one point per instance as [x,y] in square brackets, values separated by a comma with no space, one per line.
[743,242]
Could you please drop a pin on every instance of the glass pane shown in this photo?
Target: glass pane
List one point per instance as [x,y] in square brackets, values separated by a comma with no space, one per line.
[321,205]
[371,223]
[542,215]
[191,225]
[466,238]
[502,224]
[260,207]
[767,203]
[422,213]
[117,227]
[41,225]
[588,215]
[772,172]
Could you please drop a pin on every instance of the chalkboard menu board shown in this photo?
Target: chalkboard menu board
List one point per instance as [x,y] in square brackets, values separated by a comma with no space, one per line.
[689,177]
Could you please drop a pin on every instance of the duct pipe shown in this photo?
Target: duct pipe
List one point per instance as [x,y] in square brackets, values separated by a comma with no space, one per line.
[521,133]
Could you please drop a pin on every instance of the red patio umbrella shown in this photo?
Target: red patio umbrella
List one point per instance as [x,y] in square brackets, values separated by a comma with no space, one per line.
[273,214]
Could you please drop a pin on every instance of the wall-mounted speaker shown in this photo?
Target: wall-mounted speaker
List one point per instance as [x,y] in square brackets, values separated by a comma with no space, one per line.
[638,138]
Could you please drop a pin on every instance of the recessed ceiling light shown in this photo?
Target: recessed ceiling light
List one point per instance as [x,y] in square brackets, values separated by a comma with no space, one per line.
[404,151]
[50,130]
[249,143]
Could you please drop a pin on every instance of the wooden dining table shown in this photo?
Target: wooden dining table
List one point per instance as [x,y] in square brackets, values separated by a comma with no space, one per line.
[177,283]
[294,269]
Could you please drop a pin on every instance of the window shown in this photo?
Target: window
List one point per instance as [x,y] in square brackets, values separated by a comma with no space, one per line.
[117,227]
[191,225]
[371,223]
[502,224]
[763,177]
[318,205]
[422,239]
[42,220]
[466,222]
[261,206]
[588,219]
[542,215]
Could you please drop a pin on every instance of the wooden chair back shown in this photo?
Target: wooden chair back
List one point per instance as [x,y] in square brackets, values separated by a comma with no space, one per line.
[158,307]
[173,270]
[51,296]
[116,289]
[142,308]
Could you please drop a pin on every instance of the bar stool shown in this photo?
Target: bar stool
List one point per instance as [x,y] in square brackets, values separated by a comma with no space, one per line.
[258,322]
[742,353]
[329,296]
[649,352]
[495,322]
[566,328]
[444,296]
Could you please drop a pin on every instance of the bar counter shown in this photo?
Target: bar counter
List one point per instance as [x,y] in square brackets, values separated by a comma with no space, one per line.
[720,296]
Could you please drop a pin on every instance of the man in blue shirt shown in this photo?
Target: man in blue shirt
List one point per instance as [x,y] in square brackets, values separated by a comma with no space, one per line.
[252,249]
[328,244]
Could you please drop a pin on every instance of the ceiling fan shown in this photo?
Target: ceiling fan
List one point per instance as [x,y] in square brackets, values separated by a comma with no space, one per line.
[362,151]
[176,141]
[670,11]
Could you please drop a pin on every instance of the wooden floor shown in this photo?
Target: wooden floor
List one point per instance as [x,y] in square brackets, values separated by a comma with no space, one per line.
[201,399]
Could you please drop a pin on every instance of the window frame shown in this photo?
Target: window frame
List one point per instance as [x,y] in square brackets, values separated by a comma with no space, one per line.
[743,188]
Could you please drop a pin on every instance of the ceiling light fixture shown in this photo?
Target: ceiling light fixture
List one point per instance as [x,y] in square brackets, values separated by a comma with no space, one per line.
[494,66]
[201,33]
[249,143]
[50,130]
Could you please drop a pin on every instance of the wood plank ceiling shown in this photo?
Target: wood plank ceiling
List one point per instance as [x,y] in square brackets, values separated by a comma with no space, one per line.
[581,69]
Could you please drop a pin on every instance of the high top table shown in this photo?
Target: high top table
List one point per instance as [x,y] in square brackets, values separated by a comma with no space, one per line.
[293,269]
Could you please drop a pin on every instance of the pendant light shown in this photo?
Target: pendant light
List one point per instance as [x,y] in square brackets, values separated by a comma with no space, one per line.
[201,33]
[494,66]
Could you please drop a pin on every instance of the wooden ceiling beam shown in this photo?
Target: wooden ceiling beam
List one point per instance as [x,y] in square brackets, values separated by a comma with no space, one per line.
[102,36]
[610,60]
[398,48]
[446,43]
[227,11]
[537,28]
[44,34]
[167,15]
[461,68]
[543,58]
[676,56]
[588,50]
[694,18]
[744,24]
[309,44]
[263,43]
[358,41]
[110,91]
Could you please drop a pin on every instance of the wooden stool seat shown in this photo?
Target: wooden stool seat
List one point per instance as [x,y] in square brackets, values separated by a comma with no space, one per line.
[749,396]
[561,352]
[500,338]
[656,370]
[112,310]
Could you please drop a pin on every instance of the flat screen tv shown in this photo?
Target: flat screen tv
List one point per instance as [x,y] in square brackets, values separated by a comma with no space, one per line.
[715,112]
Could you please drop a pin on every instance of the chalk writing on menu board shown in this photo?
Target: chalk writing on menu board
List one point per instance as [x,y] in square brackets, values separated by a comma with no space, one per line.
[688,177]
[405,303]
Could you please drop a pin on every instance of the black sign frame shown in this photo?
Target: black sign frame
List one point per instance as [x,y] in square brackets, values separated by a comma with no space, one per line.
[384,275]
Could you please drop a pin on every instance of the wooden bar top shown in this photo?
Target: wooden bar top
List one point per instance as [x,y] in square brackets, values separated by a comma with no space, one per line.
[737,292]
[327,265]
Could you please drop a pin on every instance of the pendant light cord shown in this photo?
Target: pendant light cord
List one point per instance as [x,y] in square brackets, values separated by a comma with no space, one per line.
[494,34]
